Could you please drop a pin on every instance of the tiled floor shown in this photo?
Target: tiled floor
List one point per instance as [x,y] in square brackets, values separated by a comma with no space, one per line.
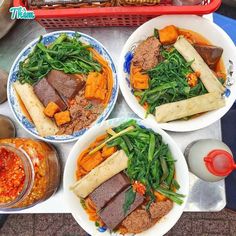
[194,224]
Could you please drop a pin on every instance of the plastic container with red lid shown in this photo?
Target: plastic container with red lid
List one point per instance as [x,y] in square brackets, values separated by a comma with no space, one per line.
[209,159]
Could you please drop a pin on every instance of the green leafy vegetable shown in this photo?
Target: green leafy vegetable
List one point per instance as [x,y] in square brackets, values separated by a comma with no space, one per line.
[175,184]
[175,197]
[156,33]
[82,202]
[151,147]
[168,82]
[89,107]
[129,199]
[117,135]
[150,160]
[66,53]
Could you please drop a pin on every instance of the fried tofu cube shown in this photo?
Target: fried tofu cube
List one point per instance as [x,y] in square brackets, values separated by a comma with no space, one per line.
[51,109]
[168,35]
[62,118]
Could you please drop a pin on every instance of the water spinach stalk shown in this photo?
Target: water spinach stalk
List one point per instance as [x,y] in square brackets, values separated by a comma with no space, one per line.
[67,54]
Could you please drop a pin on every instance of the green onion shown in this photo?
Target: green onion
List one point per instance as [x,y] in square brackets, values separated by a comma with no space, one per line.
[66,54]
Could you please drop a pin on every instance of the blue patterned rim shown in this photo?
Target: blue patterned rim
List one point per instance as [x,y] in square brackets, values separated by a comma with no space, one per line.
[13,102]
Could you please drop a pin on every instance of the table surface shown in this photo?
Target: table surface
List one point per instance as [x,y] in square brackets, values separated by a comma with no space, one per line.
[203,196]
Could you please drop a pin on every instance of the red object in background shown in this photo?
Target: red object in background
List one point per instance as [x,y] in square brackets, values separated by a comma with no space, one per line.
[220,162]
[114,16]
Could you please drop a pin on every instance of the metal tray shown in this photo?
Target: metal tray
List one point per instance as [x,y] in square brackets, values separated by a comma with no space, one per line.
[203,196]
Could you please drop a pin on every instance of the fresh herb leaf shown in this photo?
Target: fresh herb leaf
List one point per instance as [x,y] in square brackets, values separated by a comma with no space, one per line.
[89,106]
[222,80]
[175,184]
[129,199]
[82,202]
[156,33]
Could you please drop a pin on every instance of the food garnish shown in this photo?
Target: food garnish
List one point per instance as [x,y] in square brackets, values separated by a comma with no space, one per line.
[139,187]
[168,35]
[150,161]
[122,132]
[51,109]
[66,53]
[62,117]
[129,199]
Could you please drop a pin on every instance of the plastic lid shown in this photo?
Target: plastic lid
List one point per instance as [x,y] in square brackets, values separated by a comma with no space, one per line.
[220,162]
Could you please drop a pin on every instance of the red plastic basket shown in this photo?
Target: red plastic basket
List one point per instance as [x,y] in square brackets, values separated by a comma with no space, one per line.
[113,16]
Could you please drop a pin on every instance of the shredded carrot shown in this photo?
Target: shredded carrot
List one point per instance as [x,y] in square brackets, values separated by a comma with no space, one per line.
[86,162]
[101,137]
[98,140]
[107,73]
[89,162]
[145,105]
[122,230]
[91,204]
[108,151]
[82,155]
[160,197]
[133,71]
[90,209]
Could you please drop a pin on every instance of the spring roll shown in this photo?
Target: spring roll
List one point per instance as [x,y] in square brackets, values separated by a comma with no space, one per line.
[207,76]
[107,169]
[44,125]
[177,110]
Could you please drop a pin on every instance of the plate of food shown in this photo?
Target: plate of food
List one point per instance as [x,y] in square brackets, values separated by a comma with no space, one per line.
[177,71]
[61,84]
[125,177]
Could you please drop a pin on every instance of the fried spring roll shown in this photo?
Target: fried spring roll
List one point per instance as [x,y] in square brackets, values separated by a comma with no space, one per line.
[207,76]
[189,107]
[107,169]
[44,125]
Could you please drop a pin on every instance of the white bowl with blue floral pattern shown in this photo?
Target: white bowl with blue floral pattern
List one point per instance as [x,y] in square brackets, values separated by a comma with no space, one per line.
[12,97]
[210,31]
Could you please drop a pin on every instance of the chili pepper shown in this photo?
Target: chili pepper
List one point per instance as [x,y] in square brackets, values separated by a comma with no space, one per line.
[139,187]
[12,176]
